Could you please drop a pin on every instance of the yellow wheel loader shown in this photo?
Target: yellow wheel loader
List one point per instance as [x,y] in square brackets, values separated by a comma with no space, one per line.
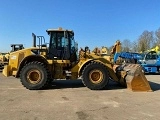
[4,57]
[60,59]
[16,47]
[3,60]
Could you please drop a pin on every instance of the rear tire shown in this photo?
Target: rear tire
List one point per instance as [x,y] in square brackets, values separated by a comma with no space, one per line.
[95,76]
[34,76]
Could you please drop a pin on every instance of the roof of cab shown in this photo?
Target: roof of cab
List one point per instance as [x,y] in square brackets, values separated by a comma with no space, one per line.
[59,29]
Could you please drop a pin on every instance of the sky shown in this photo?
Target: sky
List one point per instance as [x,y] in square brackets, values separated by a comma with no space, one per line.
[96,23]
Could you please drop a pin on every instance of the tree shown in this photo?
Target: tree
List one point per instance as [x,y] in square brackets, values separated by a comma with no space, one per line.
[145,41]
[134,46]
[126,45]
[157,33]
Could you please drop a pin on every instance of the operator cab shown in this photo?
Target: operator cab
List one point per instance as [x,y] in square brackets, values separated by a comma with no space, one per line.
[152,55]
[149,58]
[62,45]
[16,47]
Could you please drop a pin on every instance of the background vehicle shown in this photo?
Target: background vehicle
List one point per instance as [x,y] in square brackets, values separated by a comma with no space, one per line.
[16,47]
[150,62]
[4,57]
[3,60]
[37,66]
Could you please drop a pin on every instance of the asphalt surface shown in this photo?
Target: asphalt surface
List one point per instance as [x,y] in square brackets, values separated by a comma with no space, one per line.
[70,100]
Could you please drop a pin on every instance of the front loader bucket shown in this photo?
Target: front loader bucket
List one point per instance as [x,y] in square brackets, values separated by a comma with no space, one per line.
[135,78]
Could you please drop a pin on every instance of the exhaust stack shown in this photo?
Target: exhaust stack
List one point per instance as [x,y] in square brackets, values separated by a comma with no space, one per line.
[34,39]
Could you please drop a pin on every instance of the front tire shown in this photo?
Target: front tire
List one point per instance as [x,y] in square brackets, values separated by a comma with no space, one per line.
[95,76]
[34,76]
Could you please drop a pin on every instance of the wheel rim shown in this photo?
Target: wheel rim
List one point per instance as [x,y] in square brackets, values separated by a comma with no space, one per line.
[96,76]
[34,76]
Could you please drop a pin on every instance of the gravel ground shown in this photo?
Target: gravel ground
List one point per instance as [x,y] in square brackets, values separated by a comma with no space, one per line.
[70,100]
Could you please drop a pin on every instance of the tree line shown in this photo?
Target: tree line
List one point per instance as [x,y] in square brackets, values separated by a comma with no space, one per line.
[146,41]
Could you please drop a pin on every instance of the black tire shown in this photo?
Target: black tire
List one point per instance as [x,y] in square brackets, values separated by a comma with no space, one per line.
[92,72]
[29,75]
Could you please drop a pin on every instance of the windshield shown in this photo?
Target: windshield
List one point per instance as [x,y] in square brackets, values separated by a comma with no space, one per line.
[151,55]
[74,46]
[72,43]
